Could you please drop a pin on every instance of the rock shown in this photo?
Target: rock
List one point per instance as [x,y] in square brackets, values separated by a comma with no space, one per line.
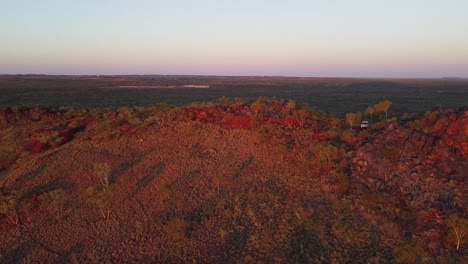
[425,162]
[362,163]
[416,161]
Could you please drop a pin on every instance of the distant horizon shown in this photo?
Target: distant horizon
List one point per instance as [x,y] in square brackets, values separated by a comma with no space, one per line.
[229,75]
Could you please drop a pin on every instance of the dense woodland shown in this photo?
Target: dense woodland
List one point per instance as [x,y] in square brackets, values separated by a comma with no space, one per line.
[233,181]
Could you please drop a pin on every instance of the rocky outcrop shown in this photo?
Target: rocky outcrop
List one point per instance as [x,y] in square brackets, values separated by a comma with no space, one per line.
[421,168]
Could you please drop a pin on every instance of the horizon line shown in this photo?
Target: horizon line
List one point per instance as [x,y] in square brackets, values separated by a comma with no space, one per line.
[233,75]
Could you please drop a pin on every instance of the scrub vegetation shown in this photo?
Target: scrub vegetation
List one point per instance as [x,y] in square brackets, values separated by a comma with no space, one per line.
[233,181]
[334,95]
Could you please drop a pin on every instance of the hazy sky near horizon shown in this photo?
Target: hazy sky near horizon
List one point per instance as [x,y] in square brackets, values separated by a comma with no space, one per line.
[347,38]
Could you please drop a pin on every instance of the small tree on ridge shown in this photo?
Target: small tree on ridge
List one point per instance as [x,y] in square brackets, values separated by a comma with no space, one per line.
[383,107]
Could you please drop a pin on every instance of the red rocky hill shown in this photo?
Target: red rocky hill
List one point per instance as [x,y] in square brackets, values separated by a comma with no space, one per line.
[230,182]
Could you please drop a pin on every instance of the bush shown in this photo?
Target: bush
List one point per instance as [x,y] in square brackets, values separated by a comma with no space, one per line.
[389,152]
[409,253]
[343,183]
[379,125]
[364,133]
[8,207]
[417,125]
[431,116]
[348,137]
[102,171]
[100,196]
[325,153]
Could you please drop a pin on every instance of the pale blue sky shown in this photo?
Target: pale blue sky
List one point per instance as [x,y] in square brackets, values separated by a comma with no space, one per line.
[360,38]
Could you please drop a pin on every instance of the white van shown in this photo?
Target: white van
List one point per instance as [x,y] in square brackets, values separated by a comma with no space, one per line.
[364,124]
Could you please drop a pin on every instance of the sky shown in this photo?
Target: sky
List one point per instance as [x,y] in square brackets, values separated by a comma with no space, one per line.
[316,38]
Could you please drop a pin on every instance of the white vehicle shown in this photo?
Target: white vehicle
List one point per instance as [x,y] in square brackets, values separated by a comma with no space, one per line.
[364,124]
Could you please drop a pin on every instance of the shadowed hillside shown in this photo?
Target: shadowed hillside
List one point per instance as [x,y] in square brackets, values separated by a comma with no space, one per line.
[232,181]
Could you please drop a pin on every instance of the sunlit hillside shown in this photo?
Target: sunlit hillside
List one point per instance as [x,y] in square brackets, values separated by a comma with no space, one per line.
[233,181]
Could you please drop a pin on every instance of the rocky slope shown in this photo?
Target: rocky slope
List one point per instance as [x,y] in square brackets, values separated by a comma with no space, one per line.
[227,184]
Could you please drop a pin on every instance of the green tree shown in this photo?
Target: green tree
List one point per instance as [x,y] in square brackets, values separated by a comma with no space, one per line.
[325,153]
[289,107]
[259,104]
[352,118]
[458,226]
[370,111]
[100,197]
[431,116]
[383,107]
[103,172]
[8,207]
[409,253]
[282,150]
[343,183]
[302,115]
[56,207]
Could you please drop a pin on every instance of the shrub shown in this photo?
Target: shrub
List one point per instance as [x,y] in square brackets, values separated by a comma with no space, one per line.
[100,196]
[8,207]
[343,183]
[102,171]
[348,137]
[237,122]
[431,116]
[378,126]
[458,227]
[56,206]
[417,125]
[409,253]
[175,230]
[353,118]
[364,133]
[53,139]
[389,152]
[325,153]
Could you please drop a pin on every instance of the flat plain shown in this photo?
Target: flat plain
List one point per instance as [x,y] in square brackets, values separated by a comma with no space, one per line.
[336,95]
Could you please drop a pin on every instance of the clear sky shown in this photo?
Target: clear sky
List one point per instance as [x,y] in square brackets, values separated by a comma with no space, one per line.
[347,38]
